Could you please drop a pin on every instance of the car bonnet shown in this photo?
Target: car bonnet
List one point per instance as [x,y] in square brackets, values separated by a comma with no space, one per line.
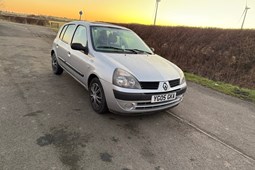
[145,67]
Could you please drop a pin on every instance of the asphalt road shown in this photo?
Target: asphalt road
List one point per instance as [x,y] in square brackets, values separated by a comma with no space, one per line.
[46,121]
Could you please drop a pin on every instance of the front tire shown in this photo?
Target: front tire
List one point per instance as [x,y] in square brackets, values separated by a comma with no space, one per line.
[97,97]
[56,68]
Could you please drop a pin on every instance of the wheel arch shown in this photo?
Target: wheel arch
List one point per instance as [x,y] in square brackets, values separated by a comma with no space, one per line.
[103,104]
[52,52]
[91,76]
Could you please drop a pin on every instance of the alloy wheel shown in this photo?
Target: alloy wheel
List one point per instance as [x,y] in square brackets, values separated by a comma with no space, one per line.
[96,96]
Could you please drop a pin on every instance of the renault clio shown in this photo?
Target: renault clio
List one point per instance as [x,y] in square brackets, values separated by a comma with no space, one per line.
[121,73]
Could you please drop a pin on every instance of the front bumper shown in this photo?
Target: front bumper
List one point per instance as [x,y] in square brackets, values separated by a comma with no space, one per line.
[128,101]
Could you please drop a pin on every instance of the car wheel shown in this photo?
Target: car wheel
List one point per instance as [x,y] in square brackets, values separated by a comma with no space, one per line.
[57,69]
[97,97]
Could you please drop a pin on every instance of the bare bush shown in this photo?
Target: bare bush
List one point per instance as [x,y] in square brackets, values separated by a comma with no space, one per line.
[219,54]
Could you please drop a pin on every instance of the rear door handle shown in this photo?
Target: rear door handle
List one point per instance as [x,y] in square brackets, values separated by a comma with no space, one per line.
[69,54]
[57,46]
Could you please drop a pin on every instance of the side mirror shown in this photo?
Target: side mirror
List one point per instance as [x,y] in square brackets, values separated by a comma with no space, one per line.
[80,47]
[152,49]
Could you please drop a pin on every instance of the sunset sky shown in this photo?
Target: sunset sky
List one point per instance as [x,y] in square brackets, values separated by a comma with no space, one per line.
[205,13]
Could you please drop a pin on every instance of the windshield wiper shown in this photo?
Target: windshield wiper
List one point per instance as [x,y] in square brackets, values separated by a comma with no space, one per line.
[111,47]
[138,50]
[134,51]
[116,48]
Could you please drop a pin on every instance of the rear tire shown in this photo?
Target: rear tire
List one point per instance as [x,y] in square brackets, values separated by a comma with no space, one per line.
[97,97]
[56,68]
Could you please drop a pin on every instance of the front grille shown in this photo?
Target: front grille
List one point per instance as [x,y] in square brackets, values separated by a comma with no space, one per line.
[174,83]
[149,105]
[149,85]
[142,96]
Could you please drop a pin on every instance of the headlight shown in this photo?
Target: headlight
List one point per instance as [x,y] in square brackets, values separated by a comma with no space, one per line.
[183,80]
[124,79]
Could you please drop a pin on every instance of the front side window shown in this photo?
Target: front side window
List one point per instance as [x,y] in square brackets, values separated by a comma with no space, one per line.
[111,39]
[80,36]
[69,34]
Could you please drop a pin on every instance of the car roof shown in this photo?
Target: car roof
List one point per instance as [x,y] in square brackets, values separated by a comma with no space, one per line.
[102,24]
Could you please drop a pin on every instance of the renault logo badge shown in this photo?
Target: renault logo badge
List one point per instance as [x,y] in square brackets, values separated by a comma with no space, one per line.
[165,86]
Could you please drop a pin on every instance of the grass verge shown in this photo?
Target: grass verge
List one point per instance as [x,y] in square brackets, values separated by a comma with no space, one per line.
[229,89]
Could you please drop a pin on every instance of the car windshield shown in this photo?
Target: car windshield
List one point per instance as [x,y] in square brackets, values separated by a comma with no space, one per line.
[116,40]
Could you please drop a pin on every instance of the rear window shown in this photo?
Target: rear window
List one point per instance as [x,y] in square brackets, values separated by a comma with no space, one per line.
[69,34]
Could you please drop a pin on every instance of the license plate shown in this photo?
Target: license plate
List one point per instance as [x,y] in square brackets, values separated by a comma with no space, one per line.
[163,97]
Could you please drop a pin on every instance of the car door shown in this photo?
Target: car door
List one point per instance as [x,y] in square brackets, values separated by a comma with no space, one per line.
[79,60]
[63,46]
[57,42]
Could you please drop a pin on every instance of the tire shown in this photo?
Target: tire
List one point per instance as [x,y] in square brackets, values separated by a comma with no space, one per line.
[97,97]
[56,68]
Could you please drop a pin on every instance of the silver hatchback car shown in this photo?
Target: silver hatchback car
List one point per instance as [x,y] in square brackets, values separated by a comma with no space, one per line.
[118,69]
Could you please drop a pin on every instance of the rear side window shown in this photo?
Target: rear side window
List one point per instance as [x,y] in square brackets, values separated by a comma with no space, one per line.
[80,36]
[69,34]
[62,32]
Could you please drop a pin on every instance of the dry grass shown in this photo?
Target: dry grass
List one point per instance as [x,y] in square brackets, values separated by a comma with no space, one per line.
[229,89]
[53,22]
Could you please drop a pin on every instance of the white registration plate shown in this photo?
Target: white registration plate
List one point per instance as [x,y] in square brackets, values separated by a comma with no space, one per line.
[163,97]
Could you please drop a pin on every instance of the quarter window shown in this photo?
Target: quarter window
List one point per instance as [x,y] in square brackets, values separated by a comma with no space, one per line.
[62,32]
[69,34]
[80,36]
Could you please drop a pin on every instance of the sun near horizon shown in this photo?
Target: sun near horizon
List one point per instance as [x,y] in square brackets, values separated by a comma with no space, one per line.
[198,13]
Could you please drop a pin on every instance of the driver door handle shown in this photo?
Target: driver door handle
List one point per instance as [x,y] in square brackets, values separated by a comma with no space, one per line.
[69,54]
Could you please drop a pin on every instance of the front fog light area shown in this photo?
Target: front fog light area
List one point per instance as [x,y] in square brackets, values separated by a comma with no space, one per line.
[128,106]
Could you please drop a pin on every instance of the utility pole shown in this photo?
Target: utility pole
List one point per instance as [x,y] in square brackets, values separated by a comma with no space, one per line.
[155,19]
[80,13]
